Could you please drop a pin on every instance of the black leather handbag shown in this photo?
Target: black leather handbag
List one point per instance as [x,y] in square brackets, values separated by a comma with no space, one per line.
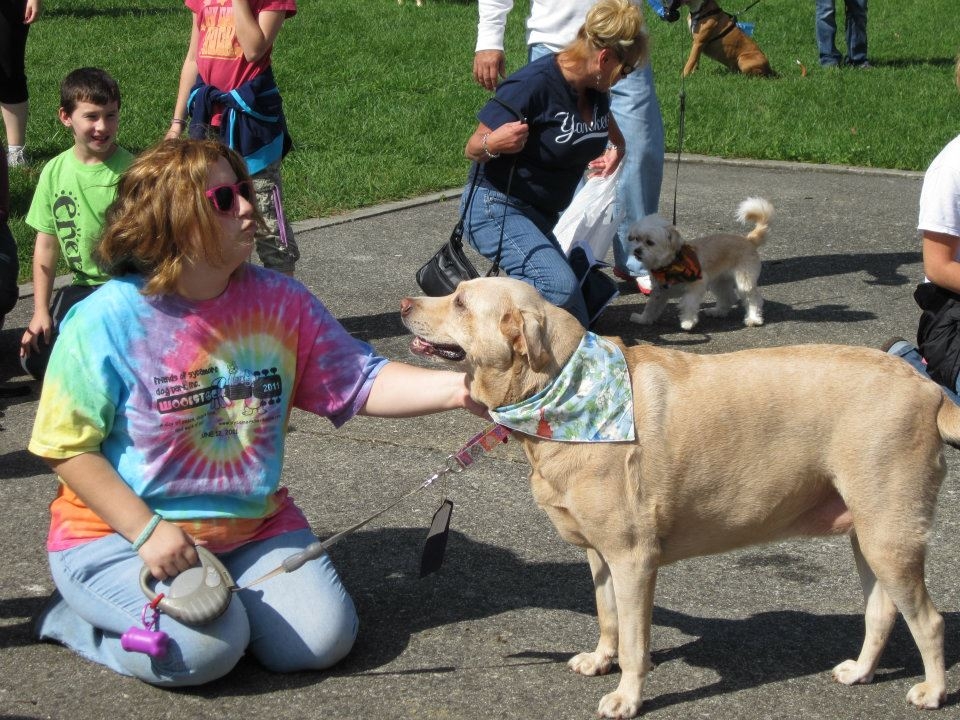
[450,266]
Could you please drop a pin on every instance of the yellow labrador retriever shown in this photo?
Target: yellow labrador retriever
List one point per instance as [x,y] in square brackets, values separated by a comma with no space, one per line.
[730,450]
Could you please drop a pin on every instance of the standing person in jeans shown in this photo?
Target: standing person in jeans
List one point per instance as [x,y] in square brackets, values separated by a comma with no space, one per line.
[227,90]
[16,17]
[527,170]
[856,32]
[551,25]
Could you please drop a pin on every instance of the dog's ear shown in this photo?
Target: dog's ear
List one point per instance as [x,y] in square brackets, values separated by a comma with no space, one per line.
[525,331]
[674,236]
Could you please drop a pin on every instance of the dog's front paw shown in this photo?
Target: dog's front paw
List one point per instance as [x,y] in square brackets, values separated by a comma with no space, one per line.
[926,697]
[591,663]
[688,324]
[641,319]
[849,673]
[753,321]
[619,705]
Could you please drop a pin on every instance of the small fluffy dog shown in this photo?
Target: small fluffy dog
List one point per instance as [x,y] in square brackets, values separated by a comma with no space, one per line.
[716,35]
[728,265]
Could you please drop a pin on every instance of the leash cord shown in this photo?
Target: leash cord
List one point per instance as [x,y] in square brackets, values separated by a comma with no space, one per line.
[484,441]
[680,132]
[745,9]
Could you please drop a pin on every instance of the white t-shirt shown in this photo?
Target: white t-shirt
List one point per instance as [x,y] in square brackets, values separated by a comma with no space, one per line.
[552,22]
[940,196]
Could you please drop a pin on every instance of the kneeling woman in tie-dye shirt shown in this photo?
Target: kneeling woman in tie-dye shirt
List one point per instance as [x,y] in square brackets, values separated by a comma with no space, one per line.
[164,413]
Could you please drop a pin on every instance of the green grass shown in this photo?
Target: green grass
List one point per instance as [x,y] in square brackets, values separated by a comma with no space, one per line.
[380,98]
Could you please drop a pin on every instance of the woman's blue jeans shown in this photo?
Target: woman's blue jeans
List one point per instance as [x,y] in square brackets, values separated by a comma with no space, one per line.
[530,252]
[301,620]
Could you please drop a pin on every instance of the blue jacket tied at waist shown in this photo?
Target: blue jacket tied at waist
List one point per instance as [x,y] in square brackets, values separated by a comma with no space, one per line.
[252,120]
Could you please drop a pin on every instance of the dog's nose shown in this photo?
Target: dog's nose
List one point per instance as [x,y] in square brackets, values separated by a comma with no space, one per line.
[406,305]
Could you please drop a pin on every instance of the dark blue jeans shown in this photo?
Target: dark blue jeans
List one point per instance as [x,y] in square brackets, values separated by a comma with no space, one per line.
[856,31]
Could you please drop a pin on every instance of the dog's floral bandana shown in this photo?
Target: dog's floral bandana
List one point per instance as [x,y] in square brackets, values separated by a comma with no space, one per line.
[684,268]
[589,401]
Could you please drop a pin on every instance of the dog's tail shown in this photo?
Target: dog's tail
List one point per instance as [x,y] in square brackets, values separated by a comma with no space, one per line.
[759,212]
[948,422]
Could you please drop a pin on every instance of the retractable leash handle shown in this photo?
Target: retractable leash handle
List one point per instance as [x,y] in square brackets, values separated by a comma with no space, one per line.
[196,596]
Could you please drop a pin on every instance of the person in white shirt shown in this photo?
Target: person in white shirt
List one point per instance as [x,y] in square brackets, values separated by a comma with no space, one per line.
[939,297]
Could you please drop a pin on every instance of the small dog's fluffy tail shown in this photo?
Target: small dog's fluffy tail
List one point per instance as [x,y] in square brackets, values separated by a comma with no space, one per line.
[759,212]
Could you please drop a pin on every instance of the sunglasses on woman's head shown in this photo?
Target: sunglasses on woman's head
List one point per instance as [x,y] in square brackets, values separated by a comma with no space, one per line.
[625,68]
[224,197]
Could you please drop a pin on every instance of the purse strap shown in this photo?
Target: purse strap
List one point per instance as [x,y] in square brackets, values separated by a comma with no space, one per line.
[495,268]
[457,234]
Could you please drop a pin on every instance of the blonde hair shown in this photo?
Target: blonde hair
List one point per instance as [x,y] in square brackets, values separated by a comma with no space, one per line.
[615,25]
[161,216]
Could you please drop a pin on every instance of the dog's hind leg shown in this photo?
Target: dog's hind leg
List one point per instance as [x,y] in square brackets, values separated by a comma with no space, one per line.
[750,295]
[897,561]
[879,617]
[600,660]
[723,290]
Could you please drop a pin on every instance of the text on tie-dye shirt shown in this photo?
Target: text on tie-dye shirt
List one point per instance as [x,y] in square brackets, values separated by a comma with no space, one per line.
[189,401]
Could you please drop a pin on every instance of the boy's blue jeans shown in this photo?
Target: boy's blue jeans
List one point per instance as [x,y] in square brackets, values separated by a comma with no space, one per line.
[300,620]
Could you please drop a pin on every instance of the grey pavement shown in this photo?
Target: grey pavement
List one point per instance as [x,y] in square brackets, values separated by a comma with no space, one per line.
[751,634]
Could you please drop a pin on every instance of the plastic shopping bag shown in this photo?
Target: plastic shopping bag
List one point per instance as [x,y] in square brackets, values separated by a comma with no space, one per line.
[591,218]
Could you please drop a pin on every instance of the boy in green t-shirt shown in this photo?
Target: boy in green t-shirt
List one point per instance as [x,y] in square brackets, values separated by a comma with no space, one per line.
[72,196]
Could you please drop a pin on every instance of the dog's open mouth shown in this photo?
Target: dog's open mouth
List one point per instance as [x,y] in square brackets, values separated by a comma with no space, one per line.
[453,353]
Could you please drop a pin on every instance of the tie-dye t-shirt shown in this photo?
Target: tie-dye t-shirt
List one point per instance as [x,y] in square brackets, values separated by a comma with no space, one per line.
[189,401]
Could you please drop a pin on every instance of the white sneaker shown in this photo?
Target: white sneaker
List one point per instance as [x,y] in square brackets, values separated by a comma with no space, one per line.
[644,284]
[16,157]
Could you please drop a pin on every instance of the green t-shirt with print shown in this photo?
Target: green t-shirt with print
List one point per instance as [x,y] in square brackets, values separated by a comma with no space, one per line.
[70,202]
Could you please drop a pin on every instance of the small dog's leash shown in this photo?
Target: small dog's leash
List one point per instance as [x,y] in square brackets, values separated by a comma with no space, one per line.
[484,441]
[680,130]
